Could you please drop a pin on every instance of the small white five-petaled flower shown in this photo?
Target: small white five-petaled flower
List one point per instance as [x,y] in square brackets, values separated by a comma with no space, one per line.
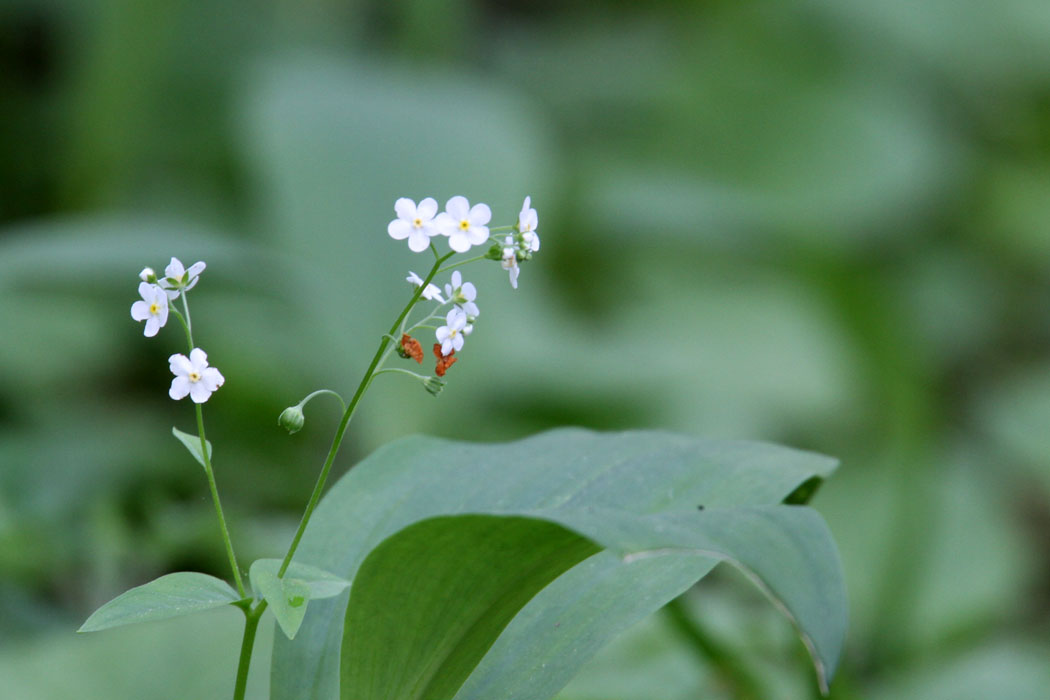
[153,309]
[528,220]
[193,376]
[462,294]
[178,279]
[416,223]
[431,291]
[451,336]
[463,224]
[510,260]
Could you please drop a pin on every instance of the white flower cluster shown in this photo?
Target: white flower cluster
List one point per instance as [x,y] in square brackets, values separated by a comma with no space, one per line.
[193,376]
[464,226]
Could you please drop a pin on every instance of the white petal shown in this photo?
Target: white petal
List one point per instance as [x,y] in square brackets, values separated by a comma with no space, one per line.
[445,224]
[180,387]
[471,309]
[457,342]
[458,242]
[442,334]
[146,290]
[197,268]
[446,347]
[399,229]
[418,241]
[179,365]
[457,279]
[198,392]
[174,269]
[152,326]
[405,208]
[427,209]
[478,234]
[469,291]
[199,358]
[480,214]
[212,378]
[458,207]
[140,310]
[414,279]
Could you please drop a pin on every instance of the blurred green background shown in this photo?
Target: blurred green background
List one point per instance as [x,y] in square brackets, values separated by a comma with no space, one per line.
[824,223]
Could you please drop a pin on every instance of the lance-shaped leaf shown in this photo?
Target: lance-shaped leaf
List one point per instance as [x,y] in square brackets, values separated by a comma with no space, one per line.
[181,593]
[635,474]
[192,443]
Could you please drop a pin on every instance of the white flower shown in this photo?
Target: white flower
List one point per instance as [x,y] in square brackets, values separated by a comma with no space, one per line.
[451,335]
[462,294]
[510,260]
[177,278]
[193,376]
[463,224]
[147,273]
[527,223]
[414,223]
[153,309]
[431,292]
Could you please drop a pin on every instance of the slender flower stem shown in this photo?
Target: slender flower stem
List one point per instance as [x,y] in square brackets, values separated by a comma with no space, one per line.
[461,263]
[366,380]
[207,461]
[251,624]
[400,370]
[218,505]
[342,403]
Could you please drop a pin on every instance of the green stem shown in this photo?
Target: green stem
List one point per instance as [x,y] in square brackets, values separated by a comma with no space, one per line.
[342,403]
[218,505]
[735,675]
[348,414]
[462,263]
[251,624]
[207,459]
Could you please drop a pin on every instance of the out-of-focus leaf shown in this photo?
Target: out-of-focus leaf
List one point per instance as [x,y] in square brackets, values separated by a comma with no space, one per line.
[187,657]
[1003,671]
[172,595]
[636,476]
[1016,414]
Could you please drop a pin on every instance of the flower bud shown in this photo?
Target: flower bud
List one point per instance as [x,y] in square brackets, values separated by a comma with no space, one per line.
[495,252]
[292,419]
[148,275]
[434,385]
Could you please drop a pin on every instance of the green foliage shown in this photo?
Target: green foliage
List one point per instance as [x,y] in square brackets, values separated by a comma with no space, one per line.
[289,595]
[634,495]
[173,595]
[193,444]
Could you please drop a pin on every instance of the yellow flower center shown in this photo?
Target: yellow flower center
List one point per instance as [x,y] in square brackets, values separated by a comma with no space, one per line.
[195,376]
[464,225]
[417,222]
[154,308]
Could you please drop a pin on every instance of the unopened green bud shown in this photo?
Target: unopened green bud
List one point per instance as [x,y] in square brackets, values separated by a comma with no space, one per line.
[292,419]
[495,252]
[148,275]
[434,385]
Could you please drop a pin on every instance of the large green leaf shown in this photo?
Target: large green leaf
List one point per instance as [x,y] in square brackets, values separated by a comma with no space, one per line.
[637,490]
[173,595]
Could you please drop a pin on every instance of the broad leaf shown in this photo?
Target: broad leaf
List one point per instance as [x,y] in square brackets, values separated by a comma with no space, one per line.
[600,486]
[193,444]
[288,596]
[173,595]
